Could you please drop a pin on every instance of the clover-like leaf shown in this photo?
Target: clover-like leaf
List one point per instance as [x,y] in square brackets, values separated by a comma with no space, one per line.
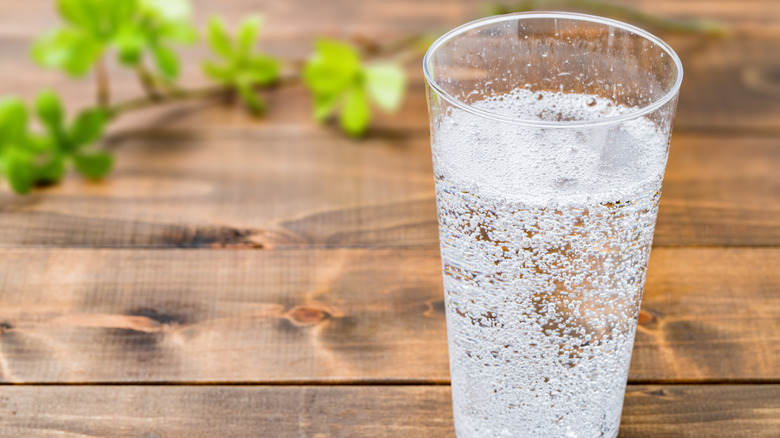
[131,28]
[332,69]
[80,13]
[219,73]
[100,19]
[239,66]
[130,45]
[71,50]
[17,166]
[28,159]
[49,110]
[356,114]
[337,78]
[218,38]
[13,122]
[118,15]
[94,165]
[42,144]
[263,69]
[386,84]
[247,35]
[167,61]
[88,127]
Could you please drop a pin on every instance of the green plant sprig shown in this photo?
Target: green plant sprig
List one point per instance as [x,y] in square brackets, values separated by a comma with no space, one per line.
[40,158]
[142,35]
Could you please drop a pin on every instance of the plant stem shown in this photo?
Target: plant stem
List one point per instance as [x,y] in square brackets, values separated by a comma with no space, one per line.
[149,101]
[180,94]
[147,82]
[103,88]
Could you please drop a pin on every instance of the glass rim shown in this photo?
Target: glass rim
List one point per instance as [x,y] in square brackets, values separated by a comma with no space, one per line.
[631,115]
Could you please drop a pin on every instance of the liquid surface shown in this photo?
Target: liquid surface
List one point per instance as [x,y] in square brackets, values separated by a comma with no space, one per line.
[545,237]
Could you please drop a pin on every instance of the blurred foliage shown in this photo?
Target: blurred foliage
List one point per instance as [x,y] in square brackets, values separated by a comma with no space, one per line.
[339,81]
[29,158]
[240,67]
[137,32]
[130,28]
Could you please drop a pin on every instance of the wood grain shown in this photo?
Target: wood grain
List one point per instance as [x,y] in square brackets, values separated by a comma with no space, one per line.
[204,315]
[333,272]
[267,188]
[299,16]
[349,411]
[349,315]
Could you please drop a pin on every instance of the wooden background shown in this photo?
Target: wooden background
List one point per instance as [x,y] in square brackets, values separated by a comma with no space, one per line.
[241,277]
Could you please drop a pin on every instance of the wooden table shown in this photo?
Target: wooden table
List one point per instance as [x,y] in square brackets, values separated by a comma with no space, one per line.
[242,278]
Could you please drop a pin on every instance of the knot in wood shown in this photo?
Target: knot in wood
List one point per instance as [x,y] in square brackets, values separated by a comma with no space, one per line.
[302,315]
[646,317]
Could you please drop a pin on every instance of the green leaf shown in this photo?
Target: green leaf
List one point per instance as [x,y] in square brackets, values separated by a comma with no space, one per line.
[68,49]
[219,40]
[339,53]
[50,112]
[167,61]
[169,10]
[88,127]
[130,45]
[80,13]
[179,32]
[101,19]
[333,67]
[18,169]
[356,114]
[386,84]
[13,122]
[219,73]
[40,144]
[247,35]
[251,99]
[118,14]
[94,165]
[264,69]
[324,105]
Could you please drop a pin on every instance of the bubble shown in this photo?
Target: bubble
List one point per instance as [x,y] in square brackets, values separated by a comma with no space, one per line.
[534,231]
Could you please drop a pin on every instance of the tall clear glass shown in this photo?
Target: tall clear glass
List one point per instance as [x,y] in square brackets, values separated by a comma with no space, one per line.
[550,134]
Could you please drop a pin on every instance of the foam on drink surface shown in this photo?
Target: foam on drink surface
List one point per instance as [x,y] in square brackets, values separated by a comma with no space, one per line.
[545,237]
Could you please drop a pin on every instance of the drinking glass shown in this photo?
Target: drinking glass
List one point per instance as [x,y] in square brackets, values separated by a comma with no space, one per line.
[550,134]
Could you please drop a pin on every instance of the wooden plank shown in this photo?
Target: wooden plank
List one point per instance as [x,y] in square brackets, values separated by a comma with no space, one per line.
[348,411]
[117,315]
[709,315]
[256,188]
[720,191]
[277,186]
[348,315]
[314,18]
